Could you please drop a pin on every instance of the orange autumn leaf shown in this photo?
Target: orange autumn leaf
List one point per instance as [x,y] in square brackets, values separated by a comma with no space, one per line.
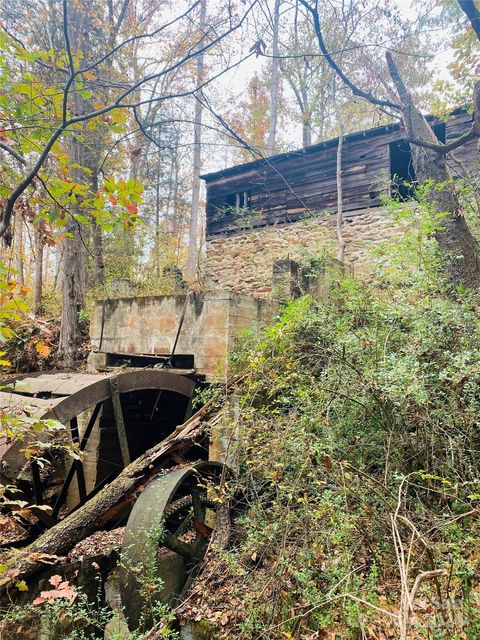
[61,589]
[113,200]
[132,208]
[43,350]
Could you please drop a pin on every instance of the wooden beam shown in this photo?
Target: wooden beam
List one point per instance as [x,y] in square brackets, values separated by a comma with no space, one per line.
[119,421]
[63,493]
[82,489]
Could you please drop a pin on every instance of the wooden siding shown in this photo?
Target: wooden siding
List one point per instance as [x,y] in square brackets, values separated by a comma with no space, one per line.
[291,186]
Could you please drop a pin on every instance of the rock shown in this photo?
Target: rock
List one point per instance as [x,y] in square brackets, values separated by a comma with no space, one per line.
[117,628]
[243,263]
[201,630]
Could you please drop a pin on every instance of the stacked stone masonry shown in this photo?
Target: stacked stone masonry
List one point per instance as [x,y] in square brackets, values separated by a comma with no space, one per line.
[244,262]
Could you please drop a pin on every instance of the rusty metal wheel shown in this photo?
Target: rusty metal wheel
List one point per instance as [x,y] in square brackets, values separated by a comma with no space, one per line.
[166,537]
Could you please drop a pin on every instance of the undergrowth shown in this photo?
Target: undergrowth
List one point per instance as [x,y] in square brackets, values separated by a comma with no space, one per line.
[358,444]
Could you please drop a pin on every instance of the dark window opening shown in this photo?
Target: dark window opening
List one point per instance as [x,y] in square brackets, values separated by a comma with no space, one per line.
[230,200]
[402,173]
[237,201]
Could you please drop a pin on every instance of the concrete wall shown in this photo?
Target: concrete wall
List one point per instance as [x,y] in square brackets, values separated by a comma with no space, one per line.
[244,262]
[148,326]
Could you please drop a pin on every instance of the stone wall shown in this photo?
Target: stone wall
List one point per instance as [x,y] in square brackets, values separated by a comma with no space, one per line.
[148,326]
[244,262]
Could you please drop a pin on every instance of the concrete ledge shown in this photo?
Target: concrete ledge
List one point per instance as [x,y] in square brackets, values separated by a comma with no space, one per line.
[149,325]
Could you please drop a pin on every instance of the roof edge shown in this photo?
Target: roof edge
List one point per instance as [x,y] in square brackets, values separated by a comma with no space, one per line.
[365,133]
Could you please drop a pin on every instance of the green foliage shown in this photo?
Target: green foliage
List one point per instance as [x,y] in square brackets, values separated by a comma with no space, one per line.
[12,302]
[83,617]
[33,102]
[349,411]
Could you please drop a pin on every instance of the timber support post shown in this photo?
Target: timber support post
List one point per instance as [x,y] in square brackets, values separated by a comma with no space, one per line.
[119,421]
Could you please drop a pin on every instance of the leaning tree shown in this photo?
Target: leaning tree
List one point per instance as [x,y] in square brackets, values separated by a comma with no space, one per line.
[429,155]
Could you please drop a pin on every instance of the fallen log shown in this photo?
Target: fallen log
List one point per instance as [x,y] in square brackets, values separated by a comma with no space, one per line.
[100,509]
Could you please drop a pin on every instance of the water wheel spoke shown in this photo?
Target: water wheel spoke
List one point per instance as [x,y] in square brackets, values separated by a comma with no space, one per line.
[184,525]
[173,510]
[198,547]
[199,509]
[182,548]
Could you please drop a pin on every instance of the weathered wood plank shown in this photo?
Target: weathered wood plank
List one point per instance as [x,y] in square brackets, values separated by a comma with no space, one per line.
[58,384]
[305,180]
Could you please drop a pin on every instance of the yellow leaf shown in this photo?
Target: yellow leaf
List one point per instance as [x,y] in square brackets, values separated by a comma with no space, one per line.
[21,585]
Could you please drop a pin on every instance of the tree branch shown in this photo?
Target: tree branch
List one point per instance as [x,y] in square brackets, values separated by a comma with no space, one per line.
[471,134]
[121,16]
[27,180]
[118,102]
[18,157]
[71,66]
[407,102]
[473,14]
[353,87]
[151,34]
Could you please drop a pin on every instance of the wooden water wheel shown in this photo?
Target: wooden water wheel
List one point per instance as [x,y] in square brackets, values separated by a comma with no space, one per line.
[113,418]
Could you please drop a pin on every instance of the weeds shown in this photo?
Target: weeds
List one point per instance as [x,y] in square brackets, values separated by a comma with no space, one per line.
[359,453]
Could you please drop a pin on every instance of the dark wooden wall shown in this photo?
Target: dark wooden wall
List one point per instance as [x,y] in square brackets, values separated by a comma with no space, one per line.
[291,186]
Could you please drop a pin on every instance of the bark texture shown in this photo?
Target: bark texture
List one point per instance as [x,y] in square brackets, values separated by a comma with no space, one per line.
[109,502]
[72,274]
[458,247]
[275,82]
[193,248]
[38,271]
[18,246]
[339,221]
[72,268]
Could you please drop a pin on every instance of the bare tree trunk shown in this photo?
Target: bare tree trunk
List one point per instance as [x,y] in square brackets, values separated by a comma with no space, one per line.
[73,294]
[306,119]
[18,248]
[272,131]
[98,263]
[457,245]
[321,121]
[97,240]
[72,271]
[338,115]
[38,274]
[306,129]
[178,214]
[192,258]
[157,224]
